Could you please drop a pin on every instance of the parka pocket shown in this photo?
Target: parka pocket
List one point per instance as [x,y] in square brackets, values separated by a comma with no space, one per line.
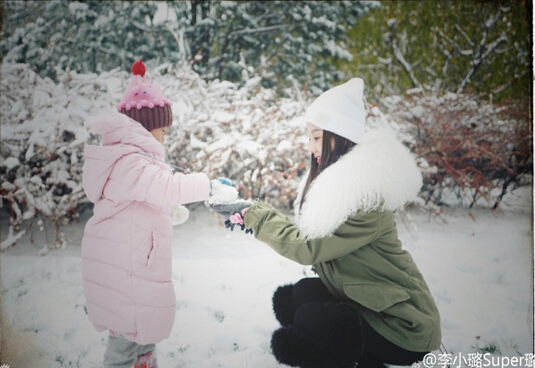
[376,297]
[152,250]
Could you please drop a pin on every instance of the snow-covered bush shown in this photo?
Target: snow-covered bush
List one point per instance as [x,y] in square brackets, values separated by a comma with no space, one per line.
[247,133]
[470,151]
[244,133]
[42,145]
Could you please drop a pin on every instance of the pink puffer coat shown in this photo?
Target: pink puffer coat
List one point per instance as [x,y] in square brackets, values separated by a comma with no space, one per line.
[126,248]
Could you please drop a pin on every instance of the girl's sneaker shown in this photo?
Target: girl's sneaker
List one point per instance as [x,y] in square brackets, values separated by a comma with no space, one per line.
[146,361]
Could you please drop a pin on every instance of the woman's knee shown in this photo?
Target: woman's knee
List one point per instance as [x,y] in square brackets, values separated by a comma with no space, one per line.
[282,304]
[329,318]
[288,298]
[310,289]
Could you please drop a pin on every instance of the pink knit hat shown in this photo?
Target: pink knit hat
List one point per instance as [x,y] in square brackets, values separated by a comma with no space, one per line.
[144,102]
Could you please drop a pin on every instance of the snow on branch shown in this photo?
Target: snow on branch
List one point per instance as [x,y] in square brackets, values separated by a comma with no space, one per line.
[11,239]
[467,38]
[484,50]
[482,54]
[504,86]
[257,30]
[454,44]
[179,39]
[399,56]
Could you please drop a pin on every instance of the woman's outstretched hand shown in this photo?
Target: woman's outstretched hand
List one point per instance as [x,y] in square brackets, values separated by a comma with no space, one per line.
[226,210]
[232,212]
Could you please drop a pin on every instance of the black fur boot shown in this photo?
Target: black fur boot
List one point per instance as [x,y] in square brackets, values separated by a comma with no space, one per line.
[292,348]
[282,305]
[324,335]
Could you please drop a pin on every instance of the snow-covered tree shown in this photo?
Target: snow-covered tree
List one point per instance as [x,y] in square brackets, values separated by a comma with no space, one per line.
[92,36]
[226,40]
[235,40]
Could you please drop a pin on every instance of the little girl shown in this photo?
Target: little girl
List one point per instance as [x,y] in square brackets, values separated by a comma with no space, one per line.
[126,248]
[370,305]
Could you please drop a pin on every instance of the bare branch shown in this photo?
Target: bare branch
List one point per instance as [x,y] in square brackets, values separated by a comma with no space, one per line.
[399,55]
[173,33]
[502,87]
[431,71]
[406,65]
[455,44]
[459,29]
[257,30]
[483,53]
[492,47]
[141,27]
[491,21]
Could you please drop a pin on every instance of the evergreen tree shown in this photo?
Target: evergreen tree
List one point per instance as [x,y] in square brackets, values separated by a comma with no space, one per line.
[458,46]
[276,40]
[91,36]
[281,41]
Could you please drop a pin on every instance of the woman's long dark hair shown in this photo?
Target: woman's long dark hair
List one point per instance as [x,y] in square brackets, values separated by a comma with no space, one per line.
[329,155]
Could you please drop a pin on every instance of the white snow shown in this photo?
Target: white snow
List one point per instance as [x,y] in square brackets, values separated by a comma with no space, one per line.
[478,266]
[11,162]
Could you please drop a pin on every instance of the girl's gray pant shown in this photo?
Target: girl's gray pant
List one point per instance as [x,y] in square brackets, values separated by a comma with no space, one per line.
[123,353]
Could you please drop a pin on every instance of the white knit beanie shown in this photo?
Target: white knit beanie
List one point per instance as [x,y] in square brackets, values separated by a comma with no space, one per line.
[340,110]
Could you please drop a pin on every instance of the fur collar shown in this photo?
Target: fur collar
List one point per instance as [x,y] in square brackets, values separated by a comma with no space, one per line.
[377,174]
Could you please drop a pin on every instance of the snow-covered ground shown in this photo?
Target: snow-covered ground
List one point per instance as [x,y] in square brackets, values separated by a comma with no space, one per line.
[478,266]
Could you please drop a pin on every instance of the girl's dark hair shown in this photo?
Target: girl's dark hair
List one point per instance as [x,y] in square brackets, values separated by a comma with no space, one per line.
[329,155]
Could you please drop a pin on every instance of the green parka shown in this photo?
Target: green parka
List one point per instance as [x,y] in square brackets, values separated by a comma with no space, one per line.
[354,248]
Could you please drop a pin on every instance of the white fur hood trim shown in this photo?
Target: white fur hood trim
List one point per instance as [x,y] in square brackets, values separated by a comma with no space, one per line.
[377,174]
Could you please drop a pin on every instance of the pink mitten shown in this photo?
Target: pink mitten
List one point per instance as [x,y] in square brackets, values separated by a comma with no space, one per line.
[237,218]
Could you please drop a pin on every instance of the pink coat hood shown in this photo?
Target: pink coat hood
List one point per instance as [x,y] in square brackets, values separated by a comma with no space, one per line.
[126,248]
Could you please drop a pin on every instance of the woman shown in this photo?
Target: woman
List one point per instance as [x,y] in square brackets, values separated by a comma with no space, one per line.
[370,305]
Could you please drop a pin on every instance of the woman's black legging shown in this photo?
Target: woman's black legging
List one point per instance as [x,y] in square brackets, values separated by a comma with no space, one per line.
[320,331]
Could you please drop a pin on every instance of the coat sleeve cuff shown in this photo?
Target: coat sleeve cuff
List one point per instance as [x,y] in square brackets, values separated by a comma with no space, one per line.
[254,215]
